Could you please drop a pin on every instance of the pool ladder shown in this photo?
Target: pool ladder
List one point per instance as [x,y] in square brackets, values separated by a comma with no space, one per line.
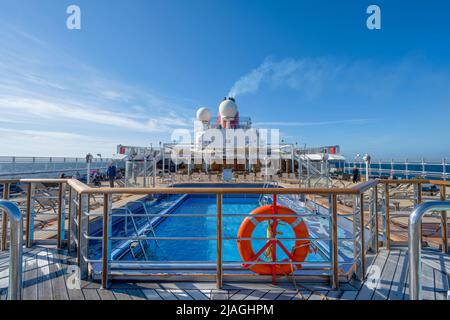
[265,199]
[150,226]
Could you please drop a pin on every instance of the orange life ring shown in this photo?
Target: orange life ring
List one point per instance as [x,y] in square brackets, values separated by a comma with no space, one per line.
[300,249]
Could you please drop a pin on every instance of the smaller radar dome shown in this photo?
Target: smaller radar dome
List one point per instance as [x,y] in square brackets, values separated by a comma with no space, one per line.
[203,115]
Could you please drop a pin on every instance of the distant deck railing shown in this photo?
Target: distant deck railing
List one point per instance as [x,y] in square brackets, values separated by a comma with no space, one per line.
[371,217]
[12,167]
[402,169]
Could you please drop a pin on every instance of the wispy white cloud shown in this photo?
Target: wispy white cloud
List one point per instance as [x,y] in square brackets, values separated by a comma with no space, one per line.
[62,111]
[20,142]
[42,86]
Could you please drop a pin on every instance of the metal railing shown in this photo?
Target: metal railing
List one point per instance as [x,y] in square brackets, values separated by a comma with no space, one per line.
[17,167]
[371,218]
[81,238]
[415,244]
[402,169]
[15,251]
[396,191]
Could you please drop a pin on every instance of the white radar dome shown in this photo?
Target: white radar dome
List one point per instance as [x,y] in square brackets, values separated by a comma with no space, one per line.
[228,109]
[203,115]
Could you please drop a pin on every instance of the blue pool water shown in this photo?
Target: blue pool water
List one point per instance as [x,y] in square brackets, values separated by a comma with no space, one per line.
[173,224]
[198,250]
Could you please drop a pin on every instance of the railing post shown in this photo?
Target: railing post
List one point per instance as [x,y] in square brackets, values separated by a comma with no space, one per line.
[61,214]
[30,216]
[417,201]
[392,169]
[334,242]
[373,220]
[417,194]
[363,250]
[380,172]
[357,231]
[387,216]
[83,222]
[375,205]
[15,250]
[406,169]
[444,169]
[444,222]
[71,230]
[106,241]
[219,280]
[5,218]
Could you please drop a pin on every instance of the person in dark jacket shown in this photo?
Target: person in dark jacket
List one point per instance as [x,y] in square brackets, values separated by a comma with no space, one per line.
[355,174]
[112,173]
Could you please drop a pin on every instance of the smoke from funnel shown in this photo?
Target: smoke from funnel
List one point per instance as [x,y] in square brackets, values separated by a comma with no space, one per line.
[250,82]
[297,74]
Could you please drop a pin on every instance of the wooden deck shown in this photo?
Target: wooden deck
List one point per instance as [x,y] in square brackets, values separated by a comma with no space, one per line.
[47,277]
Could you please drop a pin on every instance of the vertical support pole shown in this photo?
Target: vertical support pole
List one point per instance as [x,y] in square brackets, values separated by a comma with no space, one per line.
[417,201]
[308,173]
[419,193]
[154,172]
[392,170]
[363,250]
[373,243]
[444,224]
[16,250]
[406,169]
[88,172]
[83,223]
[423,168]
[357,247]
[292,160]
[5,218]
[163,154]
[444,169]
[387,216]
[30,216]
[334,242]
[145,171]
[300,171]
[72,217]
[375,209]
[61,214]
[380,172]
[106,241]
[219,281]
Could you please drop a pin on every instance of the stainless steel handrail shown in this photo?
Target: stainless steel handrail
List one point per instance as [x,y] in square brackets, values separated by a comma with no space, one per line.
[415,244]
[15,251]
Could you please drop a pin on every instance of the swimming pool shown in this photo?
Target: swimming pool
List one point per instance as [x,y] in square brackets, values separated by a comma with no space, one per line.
[174,224]
[206,250]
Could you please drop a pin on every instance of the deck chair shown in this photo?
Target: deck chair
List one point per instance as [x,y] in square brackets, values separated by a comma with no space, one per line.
[46,199]
[120,183]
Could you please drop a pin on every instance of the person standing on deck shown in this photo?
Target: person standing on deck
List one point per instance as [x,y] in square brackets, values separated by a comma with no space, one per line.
[355,174]
[112,172]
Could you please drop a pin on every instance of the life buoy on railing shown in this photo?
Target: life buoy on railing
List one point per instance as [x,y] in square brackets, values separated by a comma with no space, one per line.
[298,253]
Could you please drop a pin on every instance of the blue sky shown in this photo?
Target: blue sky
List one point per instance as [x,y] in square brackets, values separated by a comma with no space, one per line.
[138,69]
